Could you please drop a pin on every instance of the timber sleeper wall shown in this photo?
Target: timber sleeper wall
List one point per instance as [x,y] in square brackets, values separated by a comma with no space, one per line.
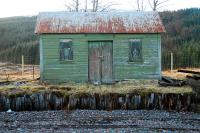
[56,101]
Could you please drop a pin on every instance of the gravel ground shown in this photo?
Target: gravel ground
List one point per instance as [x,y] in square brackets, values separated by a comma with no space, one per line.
[94,121]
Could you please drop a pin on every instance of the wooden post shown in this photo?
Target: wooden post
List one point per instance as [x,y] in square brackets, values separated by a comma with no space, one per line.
[22,65]
[172,62]
[33,71]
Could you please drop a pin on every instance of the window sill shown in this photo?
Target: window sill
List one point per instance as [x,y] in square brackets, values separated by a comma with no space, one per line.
[136,61]
[66,61]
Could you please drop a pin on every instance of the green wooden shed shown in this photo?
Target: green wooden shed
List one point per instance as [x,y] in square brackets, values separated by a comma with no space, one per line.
[99,47]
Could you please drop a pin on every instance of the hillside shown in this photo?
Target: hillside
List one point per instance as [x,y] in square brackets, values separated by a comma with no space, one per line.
[183,36]
[183,30]
[17,37]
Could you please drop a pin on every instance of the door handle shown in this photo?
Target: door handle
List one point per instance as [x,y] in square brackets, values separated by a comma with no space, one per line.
[101,58]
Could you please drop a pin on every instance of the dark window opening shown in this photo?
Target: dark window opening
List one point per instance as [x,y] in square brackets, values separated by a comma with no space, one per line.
[66,51]
[135,50]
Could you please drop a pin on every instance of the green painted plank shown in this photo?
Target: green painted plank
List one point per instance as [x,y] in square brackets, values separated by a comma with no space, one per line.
[122,69]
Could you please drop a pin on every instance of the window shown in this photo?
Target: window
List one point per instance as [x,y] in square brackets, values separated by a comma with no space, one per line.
[135,50]
[66,51]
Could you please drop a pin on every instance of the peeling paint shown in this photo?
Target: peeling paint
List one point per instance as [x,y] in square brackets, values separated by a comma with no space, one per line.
[99,22]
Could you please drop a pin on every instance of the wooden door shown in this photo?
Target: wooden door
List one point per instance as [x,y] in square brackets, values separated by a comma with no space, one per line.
[107,63]
[100,62]
[94,62]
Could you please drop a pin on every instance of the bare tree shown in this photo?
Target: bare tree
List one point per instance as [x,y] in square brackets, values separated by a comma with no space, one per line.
[95,5]
[88,5]
[105,7]
[140,5]
[157,4]
[76,2]
[101,5]
[73,5]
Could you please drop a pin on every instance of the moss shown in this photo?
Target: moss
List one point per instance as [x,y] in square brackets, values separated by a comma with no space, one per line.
[13,91]
[36,89]
[53,87]
[6,89]
[67,88]
[58,93]
[60,87]
[82,94]
[16,93]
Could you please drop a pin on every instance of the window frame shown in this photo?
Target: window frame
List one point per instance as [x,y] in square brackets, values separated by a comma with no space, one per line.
[59,50]
[140,41]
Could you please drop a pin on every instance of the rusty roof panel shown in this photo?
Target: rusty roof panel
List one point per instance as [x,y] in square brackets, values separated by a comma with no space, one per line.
[99,22]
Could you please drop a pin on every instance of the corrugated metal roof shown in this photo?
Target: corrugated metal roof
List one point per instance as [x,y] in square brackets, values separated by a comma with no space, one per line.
[99,22]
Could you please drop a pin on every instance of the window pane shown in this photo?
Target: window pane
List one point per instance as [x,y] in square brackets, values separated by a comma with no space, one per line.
[66,51]
[135,50]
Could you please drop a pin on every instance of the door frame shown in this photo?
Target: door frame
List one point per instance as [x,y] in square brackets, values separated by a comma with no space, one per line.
[101,62]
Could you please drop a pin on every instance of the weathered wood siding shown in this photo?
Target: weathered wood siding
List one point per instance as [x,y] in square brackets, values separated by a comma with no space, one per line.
[77,70]
[149,67]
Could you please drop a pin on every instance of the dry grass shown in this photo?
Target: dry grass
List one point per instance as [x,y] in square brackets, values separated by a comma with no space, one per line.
[12,72]
[134,86]
[178,75]
[20,90]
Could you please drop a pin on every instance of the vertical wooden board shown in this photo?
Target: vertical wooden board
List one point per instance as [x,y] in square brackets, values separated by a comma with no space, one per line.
[94,62]
[41,60]
[159,57]
[107,62]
